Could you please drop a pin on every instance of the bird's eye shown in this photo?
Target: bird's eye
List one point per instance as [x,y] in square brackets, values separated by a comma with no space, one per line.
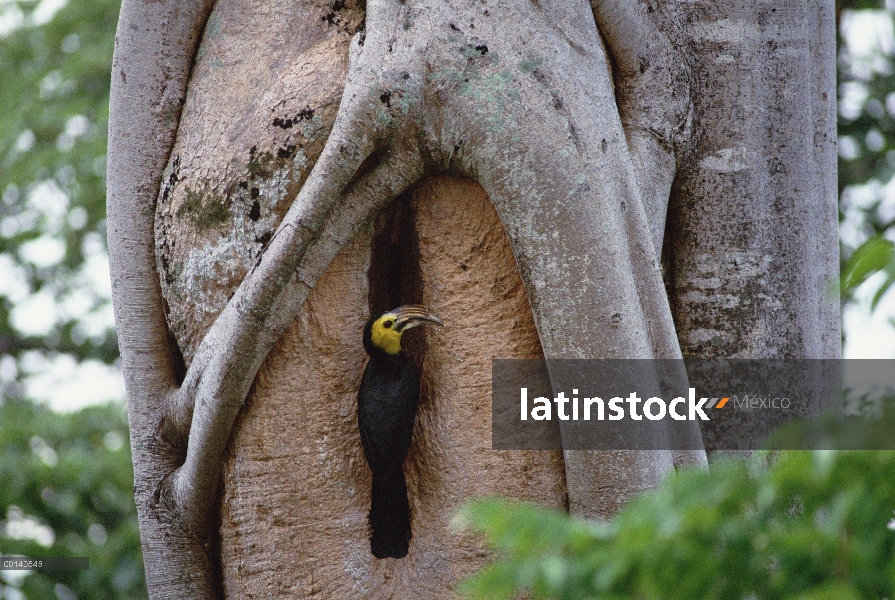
[388,324]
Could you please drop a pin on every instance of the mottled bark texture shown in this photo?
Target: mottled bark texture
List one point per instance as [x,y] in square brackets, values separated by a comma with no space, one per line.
[752,254]
[532,149]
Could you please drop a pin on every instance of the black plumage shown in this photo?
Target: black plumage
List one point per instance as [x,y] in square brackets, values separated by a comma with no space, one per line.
[386,414]
[386,411]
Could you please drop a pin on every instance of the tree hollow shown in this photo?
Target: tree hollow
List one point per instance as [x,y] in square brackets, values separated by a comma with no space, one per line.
[296,485]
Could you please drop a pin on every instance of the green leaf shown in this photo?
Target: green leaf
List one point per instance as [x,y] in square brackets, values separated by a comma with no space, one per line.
[883,288]
[874,255]
[788,525]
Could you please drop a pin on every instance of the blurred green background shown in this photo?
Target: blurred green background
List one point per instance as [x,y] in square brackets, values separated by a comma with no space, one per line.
[65,474]
[801,525]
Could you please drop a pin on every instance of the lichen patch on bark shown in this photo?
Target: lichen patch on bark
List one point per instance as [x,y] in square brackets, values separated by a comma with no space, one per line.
[241,157]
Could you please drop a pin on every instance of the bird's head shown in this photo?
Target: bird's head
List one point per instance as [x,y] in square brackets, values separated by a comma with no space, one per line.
[383,332]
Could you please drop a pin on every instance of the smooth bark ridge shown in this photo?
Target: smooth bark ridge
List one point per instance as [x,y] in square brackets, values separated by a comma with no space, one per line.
[520,99]
[154,50]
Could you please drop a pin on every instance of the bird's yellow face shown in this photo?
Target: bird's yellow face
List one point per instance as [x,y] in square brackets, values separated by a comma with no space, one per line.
[387,329]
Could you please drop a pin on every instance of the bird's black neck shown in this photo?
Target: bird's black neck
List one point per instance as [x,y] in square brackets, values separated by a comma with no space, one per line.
[382,356]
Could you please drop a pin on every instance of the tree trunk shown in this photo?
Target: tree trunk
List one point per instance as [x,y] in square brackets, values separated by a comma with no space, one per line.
[752,255]
[296,486]
[535,196]
[753,229]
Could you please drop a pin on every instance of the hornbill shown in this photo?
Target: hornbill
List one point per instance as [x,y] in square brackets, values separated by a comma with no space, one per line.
[386,413]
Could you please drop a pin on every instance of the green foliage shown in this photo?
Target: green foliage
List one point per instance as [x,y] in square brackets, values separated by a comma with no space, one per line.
[874,255]
[872,76]
[54,105]
[66,481]
[66,489]
[866,79]
[797,525]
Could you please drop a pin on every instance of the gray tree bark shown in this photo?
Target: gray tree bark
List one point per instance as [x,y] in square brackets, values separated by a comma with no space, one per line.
[252,146]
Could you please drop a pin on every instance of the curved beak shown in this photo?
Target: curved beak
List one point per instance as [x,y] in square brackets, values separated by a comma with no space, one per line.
[414,315]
